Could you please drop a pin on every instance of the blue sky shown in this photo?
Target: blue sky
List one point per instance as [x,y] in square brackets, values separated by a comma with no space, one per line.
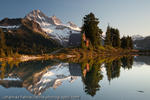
[129,16]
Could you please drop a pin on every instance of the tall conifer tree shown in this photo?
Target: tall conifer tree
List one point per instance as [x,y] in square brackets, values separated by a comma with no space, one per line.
[108,36]
[91,29]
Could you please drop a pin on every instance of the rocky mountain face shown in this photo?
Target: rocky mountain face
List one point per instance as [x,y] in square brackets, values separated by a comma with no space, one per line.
[36,30]
[25,35]
[142,43]
[54,26]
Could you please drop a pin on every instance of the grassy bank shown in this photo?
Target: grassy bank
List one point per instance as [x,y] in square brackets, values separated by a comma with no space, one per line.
[74,54]
[103,52]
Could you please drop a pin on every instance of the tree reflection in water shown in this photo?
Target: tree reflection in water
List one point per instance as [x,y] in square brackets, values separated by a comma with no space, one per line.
[91,77]
[127,62]
[92,74]
[113,69]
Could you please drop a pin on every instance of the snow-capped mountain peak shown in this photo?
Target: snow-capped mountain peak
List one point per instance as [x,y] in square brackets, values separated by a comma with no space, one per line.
[72,24]
[137,37]
[53,26]
[39,17]
[56,20]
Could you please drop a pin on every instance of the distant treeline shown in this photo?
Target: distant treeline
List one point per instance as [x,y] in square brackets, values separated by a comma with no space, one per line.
[4,49]
[31,43]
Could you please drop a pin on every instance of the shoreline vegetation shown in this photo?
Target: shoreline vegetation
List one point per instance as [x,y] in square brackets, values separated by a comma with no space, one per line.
[91,45]
[74,54]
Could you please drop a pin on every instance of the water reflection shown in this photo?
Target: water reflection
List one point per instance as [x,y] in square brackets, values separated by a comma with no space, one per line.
[38,76]
[127,62]
[91,75]
[91,80]
[143,59]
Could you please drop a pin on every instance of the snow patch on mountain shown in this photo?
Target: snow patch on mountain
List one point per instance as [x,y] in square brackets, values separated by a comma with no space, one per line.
[10,27]
[73,26]
[11,79]
[53,26]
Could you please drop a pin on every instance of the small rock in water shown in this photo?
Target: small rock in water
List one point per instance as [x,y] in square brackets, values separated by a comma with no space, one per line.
[141,91]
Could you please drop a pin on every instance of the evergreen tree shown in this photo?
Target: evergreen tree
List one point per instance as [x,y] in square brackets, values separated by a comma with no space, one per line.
[91,29]
[118,41]
[2,44]
[108,37]
[127,42]
[115,37]
[2,37]
[34,48]
[2,53]
[123,42]
[130,43]
[9,51]
[5,50]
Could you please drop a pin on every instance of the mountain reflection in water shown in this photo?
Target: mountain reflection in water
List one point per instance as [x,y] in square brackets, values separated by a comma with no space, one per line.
[38,76]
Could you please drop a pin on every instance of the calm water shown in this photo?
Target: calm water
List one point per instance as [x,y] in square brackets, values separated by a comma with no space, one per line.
[122,79]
